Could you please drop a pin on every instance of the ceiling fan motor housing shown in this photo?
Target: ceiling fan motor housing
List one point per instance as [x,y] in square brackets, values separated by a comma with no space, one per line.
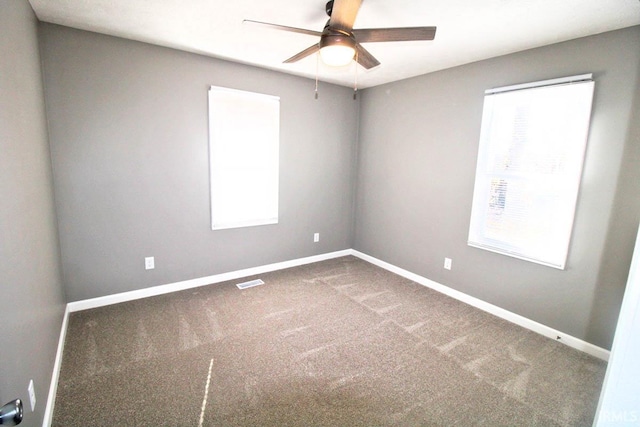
[332,37]
[337,47]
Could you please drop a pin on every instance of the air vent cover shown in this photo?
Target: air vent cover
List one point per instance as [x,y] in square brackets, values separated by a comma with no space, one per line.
[250,284]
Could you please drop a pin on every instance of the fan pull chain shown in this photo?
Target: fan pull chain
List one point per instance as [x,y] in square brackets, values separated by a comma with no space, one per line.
[317,66]
[355,83]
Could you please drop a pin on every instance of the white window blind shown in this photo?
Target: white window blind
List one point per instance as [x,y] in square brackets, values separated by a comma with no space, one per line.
[244,133]
[532,146]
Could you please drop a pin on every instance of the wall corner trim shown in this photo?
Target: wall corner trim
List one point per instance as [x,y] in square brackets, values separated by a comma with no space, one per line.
[519,320]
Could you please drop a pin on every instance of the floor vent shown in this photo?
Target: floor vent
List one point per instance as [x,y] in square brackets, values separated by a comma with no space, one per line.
[250,284]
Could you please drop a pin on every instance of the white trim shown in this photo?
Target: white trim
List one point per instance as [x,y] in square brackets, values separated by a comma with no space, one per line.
[53,387]
[501,251]
[241,224]
[202,281]
[473,301]
[246,93]
[551,82]
[160,290]
[532,325]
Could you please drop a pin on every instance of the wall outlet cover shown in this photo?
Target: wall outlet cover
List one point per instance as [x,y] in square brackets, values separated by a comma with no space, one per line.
[149,263]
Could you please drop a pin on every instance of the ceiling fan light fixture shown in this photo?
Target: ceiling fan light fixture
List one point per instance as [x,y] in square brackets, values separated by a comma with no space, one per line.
[337,55]
[337,50]
[340,43]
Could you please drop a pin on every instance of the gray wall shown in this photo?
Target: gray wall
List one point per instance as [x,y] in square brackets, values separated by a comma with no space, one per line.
[30,278]
[417,156]
[128,131]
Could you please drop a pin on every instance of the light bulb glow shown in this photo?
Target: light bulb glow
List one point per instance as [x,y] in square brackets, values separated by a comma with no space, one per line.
[337,47]
[336,55]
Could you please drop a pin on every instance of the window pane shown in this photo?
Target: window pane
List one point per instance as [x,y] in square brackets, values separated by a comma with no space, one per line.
[530,159]
[243,150]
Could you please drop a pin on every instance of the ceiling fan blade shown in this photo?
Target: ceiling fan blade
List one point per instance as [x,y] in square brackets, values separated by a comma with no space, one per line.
[394,34]
[308,51]
[365,58]
[344,14]
[283,28]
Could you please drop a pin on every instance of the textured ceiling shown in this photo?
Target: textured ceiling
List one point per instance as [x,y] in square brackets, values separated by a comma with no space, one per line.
[468,30]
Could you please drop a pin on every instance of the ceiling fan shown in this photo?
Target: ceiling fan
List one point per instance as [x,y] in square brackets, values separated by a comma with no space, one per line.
[340,43]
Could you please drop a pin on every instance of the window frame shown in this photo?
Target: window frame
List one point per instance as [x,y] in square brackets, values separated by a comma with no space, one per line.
[486,193]
[244,145]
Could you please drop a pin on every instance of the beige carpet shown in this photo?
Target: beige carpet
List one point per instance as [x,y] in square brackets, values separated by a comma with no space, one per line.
[336,343]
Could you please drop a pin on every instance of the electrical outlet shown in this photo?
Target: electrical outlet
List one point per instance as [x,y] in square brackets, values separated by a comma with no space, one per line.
[316,237]
[447,263]
[149,263]
[32,395]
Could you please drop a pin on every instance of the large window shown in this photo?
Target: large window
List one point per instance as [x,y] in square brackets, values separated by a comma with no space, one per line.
[532,146]
[244,129]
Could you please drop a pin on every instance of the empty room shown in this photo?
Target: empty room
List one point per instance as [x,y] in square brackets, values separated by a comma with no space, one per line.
[210,220]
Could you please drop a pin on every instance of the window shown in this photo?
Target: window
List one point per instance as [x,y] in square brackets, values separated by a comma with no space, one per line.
[532,145]
[244,133]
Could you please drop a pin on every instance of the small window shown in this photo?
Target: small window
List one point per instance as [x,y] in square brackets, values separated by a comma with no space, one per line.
[244,133]
[532,146]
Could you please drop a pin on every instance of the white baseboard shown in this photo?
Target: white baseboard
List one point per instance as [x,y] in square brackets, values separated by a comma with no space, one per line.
[53,387]
[532,325]
[159,290]
[202,281]
[475,302]
[217,278]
